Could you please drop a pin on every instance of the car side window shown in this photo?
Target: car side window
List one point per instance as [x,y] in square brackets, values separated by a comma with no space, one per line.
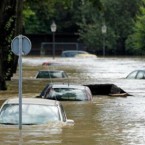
[144,76]
[132,75]
[140,75]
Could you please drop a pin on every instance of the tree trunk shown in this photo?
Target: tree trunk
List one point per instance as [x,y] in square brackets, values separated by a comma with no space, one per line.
[10,26]
[2,80]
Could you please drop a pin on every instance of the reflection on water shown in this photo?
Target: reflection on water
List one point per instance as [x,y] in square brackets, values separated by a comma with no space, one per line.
[105,120]
[42,134]
[123,119]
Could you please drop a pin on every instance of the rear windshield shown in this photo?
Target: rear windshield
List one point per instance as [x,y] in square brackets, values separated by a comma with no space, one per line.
[45,74]
[67,94]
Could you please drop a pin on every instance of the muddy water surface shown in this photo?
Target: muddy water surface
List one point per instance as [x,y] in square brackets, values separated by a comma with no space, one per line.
[105,120]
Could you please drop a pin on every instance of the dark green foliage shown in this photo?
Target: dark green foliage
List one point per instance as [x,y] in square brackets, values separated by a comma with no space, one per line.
[119,16]
[38,16]
[86,17]
[135,42]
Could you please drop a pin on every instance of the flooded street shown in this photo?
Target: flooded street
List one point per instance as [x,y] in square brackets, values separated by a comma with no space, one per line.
[106,120]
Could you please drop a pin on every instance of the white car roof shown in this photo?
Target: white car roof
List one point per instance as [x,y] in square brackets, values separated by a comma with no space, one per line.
[32,101]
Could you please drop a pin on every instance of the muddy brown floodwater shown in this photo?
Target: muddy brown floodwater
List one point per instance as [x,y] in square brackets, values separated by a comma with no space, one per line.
[105,120]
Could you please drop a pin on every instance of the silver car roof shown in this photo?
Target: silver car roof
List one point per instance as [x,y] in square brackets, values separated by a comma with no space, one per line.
[50,71]
[68,86]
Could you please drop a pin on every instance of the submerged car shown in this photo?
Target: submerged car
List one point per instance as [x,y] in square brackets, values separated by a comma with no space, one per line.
[66,92]
[34,111]
[51,74]
[137,74]
[76,53]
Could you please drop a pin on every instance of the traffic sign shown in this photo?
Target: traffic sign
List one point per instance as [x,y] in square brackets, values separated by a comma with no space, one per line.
[21,45]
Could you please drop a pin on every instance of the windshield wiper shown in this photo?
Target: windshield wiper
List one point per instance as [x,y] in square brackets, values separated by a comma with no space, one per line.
[30,124]
[8,123]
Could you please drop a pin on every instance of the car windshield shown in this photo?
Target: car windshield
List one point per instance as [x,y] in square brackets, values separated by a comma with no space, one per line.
[48,74]
[31,114]
[68,94]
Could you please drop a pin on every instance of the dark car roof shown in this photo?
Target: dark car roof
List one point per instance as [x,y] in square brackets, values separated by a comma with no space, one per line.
[72,53]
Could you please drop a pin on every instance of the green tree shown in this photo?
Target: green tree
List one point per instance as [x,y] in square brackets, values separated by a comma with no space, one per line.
[89,23]
[86,18]
[38,15]
[119,16]
[69,17]
[135,42]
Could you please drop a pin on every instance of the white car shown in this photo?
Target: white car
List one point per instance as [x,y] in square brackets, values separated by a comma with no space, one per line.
[34,111]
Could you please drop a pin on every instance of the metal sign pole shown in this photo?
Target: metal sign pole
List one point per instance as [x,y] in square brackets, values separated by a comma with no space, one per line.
[20,45]
[20,82]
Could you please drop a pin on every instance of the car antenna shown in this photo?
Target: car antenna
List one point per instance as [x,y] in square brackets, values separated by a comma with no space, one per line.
[55,97]
[45,92]
[67,79]
[51,83]
[50,77]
